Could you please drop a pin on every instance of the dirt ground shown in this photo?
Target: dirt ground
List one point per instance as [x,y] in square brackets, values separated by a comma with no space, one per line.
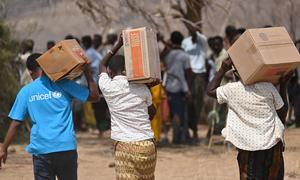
[174,162]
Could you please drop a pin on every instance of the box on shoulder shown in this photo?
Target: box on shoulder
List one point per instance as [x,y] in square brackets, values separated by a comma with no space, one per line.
[141,52]
[264,55]
[65,60]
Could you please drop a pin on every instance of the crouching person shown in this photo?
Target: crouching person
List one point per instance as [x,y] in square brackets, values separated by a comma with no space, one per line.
[255,123]
[131,110]
[52,136]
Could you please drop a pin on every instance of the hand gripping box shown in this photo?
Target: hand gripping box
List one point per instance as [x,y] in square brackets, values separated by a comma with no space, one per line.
[141,55]
[65,60]
[264,54]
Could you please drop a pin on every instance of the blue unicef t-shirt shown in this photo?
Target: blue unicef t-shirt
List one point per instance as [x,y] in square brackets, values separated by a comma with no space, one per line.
[49,106]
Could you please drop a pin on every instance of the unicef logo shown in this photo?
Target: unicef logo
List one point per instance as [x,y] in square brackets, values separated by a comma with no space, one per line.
[56,94]
[43,97]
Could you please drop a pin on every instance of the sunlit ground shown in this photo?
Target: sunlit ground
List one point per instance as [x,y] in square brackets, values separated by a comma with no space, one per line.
[174,162]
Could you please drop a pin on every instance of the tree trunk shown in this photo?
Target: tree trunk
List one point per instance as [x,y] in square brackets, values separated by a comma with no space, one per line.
[194,11]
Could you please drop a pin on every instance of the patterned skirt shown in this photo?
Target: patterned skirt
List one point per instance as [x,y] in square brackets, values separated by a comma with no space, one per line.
[135,160]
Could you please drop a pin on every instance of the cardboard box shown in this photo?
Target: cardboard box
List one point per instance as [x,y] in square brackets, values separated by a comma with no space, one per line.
[65,60]
[141,55]
[264,54]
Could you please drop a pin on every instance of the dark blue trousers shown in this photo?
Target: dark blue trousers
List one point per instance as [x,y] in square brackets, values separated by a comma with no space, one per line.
[178,117]
[62,165]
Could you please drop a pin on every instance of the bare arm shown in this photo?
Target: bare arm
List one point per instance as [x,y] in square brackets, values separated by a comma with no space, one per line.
[188,76]
[110,54]
[216,81]
[151,111]
[164,53]
[11,133]
[94,93]
[282,112]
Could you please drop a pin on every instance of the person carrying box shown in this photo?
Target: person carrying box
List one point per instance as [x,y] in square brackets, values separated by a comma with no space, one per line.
[52,136]
[131,110]
[255,123]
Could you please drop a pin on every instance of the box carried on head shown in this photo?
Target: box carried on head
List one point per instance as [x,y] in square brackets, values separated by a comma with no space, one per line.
[264,55]
[65,60]
[141,55]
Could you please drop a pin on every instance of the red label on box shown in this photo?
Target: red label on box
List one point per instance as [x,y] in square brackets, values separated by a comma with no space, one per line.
[136,54]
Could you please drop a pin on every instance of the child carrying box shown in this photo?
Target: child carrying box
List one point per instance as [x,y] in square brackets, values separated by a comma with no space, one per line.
[255,122]
[131,109]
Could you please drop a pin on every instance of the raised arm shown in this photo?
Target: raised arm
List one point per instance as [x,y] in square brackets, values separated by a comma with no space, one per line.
[216,81]
[94,93]
[110,54]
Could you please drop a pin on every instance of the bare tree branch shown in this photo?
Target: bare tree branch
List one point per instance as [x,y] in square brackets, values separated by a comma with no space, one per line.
[178,7]
[292,19]
[163,16]
[97,10]
[133,5]
[3,9]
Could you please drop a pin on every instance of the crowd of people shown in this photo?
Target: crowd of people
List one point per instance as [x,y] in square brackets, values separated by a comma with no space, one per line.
[187,65]
[141,115]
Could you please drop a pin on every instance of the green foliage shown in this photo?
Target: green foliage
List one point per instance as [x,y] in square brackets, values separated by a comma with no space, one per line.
[9,85]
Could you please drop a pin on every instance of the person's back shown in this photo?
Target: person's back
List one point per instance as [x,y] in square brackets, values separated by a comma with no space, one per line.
[253,124]
[52,137]
[128,104]
[176,62]
[131,110]
[48,105]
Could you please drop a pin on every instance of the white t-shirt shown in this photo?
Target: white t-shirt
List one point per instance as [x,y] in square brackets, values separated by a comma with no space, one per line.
[128,105]
[197,52]
[252,120]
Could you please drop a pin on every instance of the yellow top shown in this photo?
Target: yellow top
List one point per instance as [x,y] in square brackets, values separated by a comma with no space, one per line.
[158,94]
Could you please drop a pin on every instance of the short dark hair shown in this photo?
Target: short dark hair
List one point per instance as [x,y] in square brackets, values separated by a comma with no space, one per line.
[210,41]
[176,37]
[28,45]
[230,31]
[218,39]
[267,26]
[241,30]
[117,63]
[87,41]
[98,37]
[31,62]
[97,40]
[234,38]
[50,44]
[69,36]
[111,38]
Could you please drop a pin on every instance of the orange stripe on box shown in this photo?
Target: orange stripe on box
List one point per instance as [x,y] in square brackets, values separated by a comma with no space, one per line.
[136,54]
